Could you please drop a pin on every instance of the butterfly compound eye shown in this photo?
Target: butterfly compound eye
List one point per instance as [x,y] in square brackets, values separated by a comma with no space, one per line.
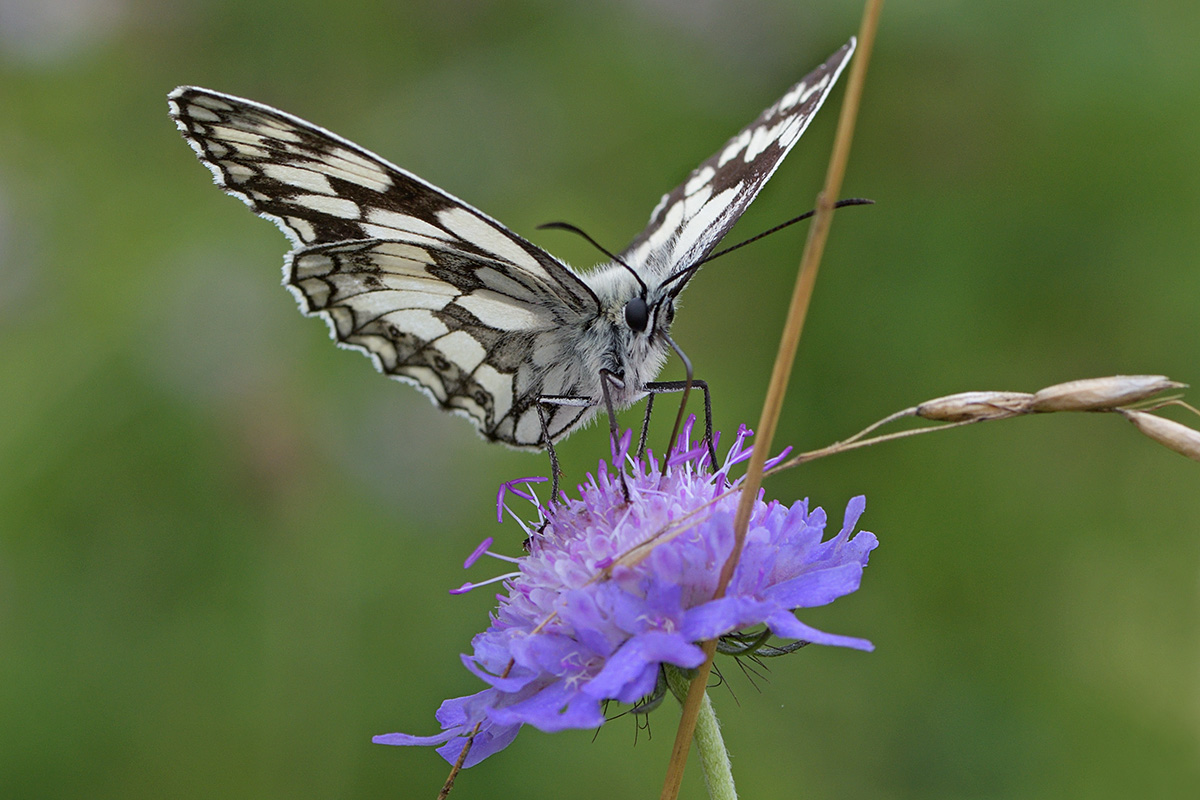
[637,314]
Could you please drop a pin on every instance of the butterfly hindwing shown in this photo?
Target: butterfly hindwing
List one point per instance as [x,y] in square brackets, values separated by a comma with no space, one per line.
[690,219]
[471,333]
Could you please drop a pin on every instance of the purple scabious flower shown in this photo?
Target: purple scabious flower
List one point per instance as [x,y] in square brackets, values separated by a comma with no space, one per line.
[611,590]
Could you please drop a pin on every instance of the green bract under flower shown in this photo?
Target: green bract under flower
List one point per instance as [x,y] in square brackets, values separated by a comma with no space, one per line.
[612,590]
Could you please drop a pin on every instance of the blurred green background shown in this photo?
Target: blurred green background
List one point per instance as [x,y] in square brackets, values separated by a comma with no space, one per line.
[225,545]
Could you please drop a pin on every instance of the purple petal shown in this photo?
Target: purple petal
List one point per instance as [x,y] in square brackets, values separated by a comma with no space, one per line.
[585,614]
[783,623]
[516,680]
[490,740]
[854,510]
[458,718]
[817,588]
[547,652]
[554,708]
[623,677]
[719,617]
[406,739]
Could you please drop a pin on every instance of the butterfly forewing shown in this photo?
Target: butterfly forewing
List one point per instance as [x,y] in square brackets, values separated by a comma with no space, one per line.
[321,188]
[690,219]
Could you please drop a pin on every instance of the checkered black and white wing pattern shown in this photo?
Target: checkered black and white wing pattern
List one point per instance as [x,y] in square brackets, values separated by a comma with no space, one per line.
[319,188]
[690,219]
[478,336]
[437,293]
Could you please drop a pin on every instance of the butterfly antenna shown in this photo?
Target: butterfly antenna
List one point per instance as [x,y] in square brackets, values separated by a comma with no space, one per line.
[850,201]
[687,272]
[566,226]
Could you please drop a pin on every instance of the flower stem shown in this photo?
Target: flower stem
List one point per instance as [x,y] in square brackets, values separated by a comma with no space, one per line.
[693,699]
[714,758]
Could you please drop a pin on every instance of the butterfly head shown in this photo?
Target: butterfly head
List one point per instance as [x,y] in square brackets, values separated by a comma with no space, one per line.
[638,309]
[641,313]
[637,314]
[655,310]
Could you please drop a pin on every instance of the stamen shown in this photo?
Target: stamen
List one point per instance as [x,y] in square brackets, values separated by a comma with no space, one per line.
[511,486]
[679,457]
[738,452]
[466,587]
[478,552]
[773,462]
[520,521]
[620,448]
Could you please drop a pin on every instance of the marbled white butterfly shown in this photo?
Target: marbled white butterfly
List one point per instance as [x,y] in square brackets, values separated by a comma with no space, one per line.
[442,296]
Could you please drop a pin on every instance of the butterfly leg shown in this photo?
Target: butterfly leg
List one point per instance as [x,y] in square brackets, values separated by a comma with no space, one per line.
[607,381]
[641,451]
[661,387]
[553,402]
[554,468]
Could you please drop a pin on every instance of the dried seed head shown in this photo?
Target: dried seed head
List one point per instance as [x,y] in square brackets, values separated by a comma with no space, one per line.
[1101,394]
[1180,438]
[976,406]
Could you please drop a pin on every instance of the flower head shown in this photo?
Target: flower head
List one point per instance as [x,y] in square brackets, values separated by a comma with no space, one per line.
[611,590]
